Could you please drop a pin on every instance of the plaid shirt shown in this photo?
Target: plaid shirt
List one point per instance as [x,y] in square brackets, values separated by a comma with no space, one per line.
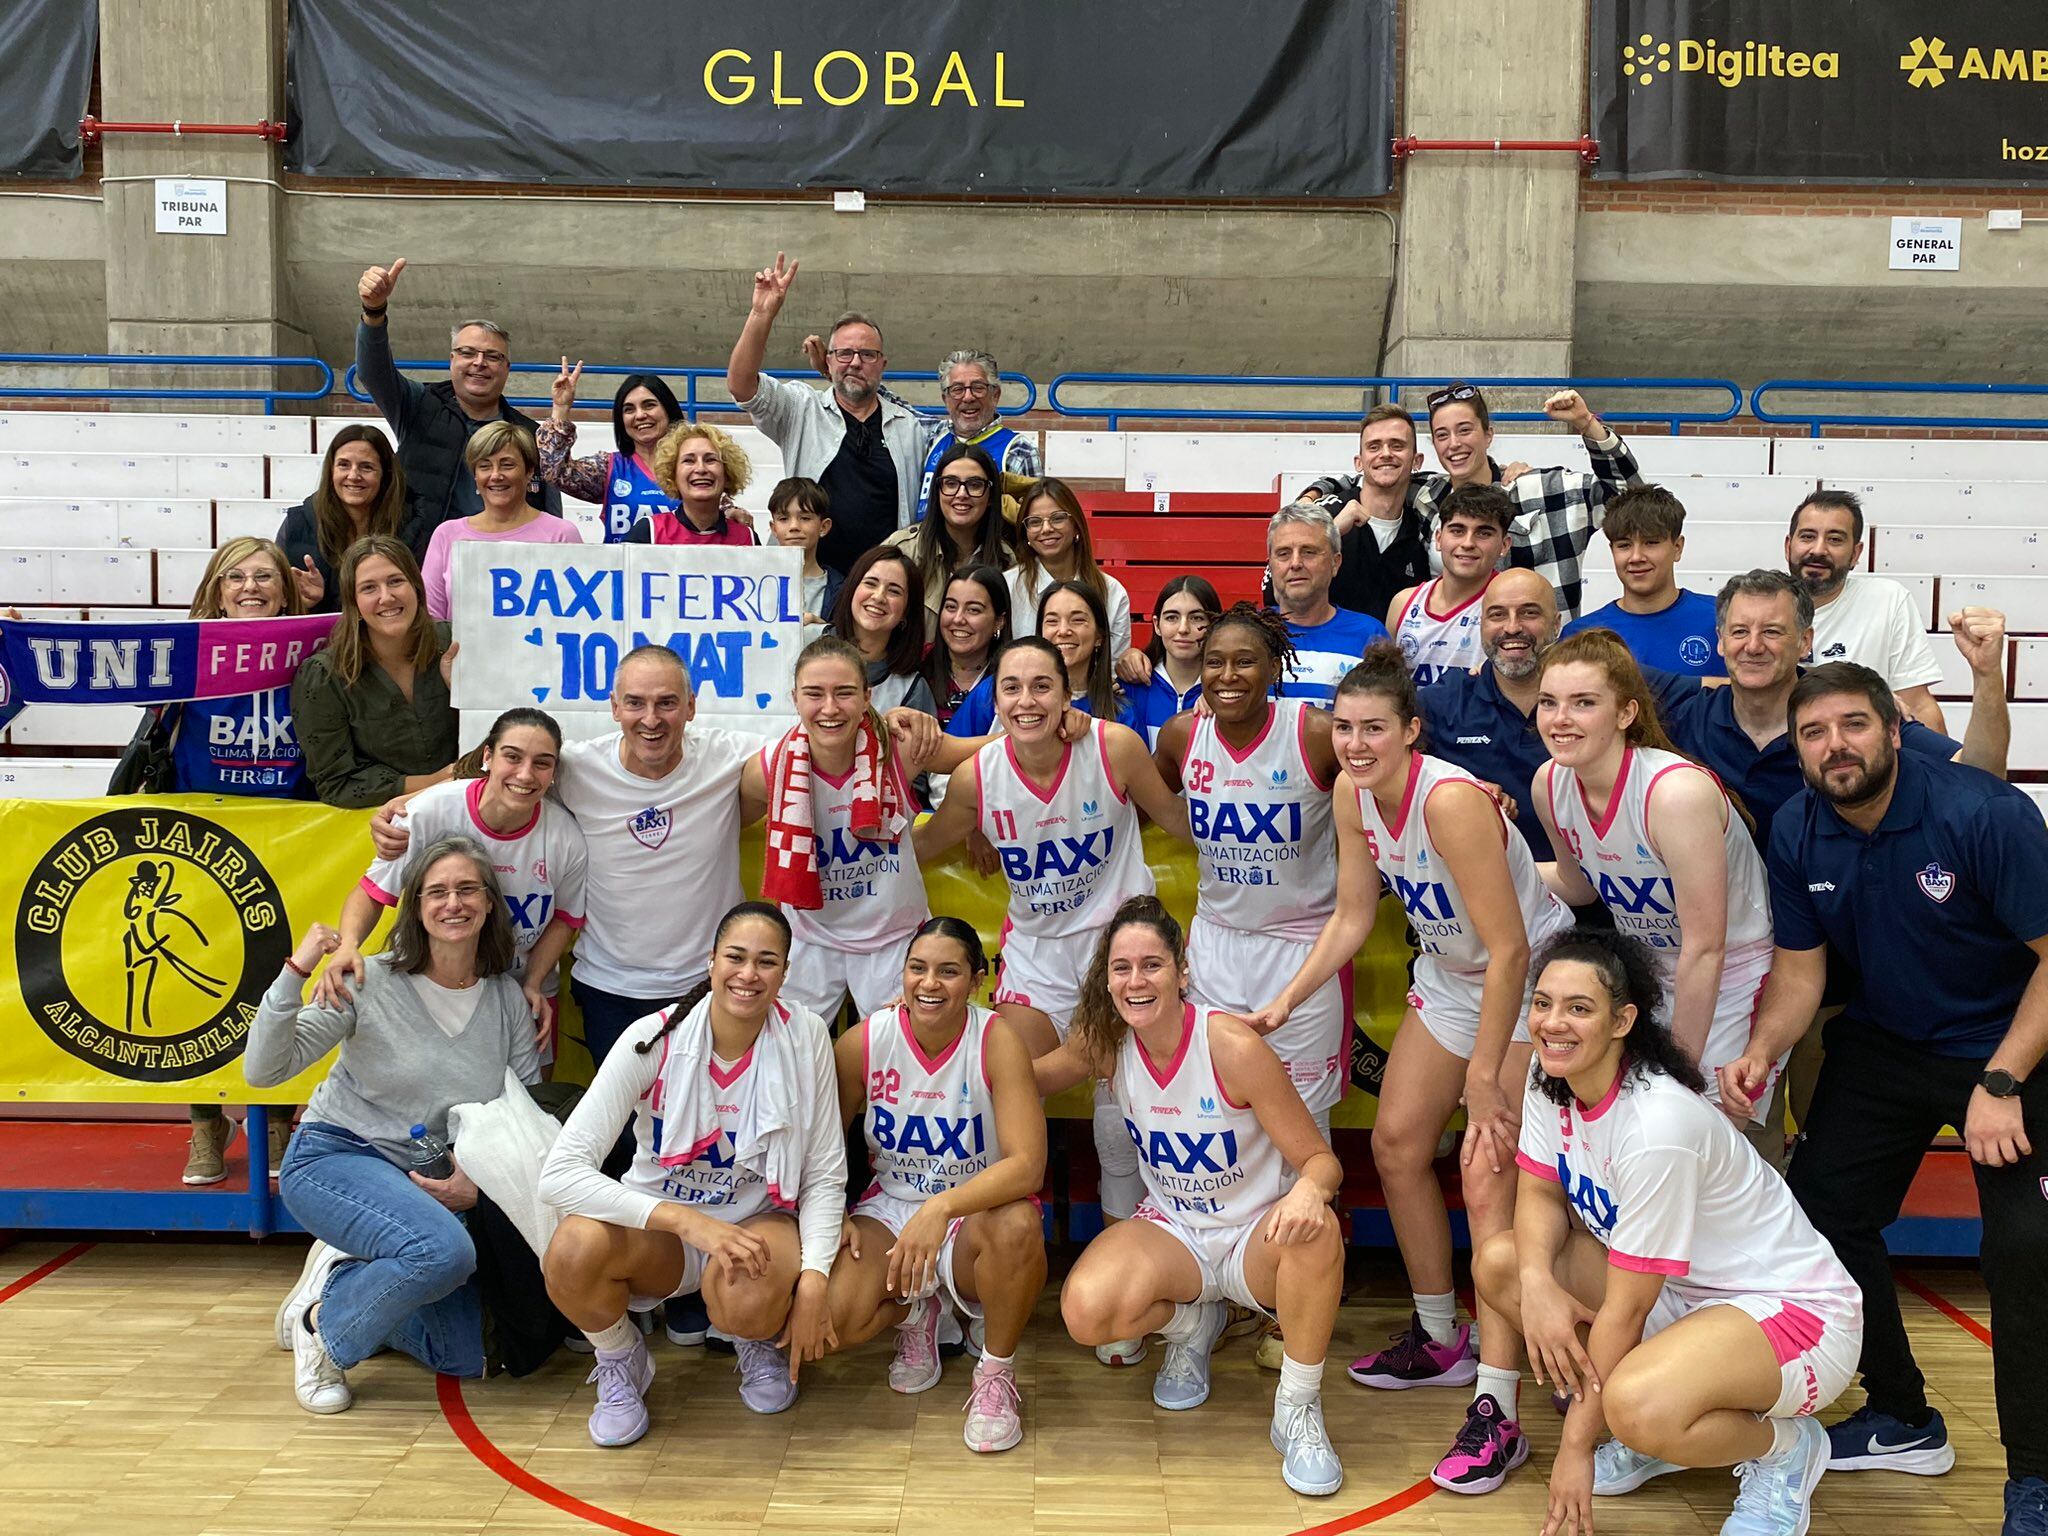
[1556,513]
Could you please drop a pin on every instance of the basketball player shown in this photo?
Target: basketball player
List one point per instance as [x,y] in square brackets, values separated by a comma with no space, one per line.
[1654,837]
[1063,817]
[945,1098]
[1436,623]
[1473,896]
[1220,1131]
[1720,1320]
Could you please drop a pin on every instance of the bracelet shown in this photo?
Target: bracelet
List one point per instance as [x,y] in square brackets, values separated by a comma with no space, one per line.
[375,314]
[293,966]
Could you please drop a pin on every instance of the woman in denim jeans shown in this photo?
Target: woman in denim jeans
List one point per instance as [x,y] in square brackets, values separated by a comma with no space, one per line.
[434,1022]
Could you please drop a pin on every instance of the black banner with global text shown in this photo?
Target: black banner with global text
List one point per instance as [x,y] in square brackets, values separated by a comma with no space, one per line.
[1821,90]
[1050,98]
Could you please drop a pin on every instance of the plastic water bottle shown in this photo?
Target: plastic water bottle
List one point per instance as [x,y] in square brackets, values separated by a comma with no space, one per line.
[431,1158]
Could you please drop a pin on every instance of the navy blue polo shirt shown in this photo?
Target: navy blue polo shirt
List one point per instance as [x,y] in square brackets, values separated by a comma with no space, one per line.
[1934,910]
[1701,721]
[1466,720]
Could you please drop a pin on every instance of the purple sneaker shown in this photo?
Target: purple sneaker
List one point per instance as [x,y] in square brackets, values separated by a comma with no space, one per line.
[765,1386]
[1487,1449]
[1417,1360]
[622,1378]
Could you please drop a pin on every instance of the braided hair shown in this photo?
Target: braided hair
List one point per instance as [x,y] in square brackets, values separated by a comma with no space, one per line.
[1266,625]
[768,912]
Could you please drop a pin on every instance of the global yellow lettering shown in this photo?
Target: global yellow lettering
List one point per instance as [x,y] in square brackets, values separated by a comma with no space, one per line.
[859,90]
[1001,99]
[954,78]
[899,75]
[775,85]
[744,84]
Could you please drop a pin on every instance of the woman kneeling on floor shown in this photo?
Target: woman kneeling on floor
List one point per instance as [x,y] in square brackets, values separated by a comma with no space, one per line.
[737,1186]
[1219,1129]
[435,1021]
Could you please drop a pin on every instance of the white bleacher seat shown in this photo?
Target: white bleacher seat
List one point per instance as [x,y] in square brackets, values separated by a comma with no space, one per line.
[1659,454]
[140,432]
[2008,503]
[1719,546]
[1957,682]
[74,725]
[325,427]
[54,778]
[293,476]
[155,524]
[1737,498]
[2029,755]
[2038,793]
[1603,586]
[1969,548]
[1230,461]
[2029,672]
[177,575]
[80,476]
[2022,599]
[42,523]
[252,519]
[1091,456]
[1852,458]
[116,577]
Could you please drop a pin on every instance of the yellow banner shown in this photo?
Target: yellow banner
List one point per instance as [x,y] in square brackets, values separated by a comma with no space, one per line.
[145,932]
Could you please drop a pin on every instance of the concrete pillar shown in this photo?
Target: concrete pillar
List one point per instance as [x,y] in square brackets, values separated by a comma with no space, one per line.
[1485,278]
[218,61]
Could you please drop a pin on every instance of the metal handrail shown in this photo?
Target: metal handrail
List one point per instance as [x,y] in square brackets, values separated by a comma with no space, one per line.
[269,397]
[1813,421]
[1391,386]
[692,405]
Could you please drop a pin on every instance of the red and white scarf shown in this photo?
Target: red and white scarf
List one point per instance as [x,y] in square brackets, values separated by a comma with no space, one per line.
[882,809]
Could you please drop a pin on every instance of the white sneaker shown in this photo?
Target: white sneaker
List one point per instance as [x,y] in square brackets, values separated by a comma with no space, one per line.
[1122,1352]
[320,1261]
[316,1379]
[917,1366]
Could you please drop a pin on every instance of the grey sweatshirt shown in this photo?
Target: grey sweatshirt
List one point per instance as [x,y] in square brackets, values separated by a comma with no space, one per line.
[396,1068]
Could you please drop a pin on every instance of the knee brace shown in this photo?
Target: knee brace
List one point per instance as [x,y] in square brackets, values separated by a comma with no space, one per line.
[1120,1186]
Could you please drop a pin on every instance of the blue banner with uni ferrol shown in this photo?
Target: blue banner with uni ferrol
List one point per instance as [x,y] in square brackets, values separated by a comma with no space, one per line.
[1041,98]
[1895,91]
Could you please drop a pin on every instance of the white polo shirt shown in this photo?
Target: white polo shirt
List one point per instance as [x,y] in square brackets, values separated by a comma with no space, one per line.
[1873,623]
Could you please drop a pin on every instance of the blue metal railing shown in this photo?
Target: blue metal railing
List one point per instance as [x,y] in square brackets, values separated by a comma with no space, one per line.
[1391,386]
[693,405]
[269,396]
[1813,421]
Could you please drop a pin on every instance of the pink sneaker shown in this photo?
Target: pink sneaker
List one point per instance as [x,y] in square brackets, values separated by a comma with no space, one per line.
[917,1365]
[1487,1449]
[1417,1360]
[994,1417]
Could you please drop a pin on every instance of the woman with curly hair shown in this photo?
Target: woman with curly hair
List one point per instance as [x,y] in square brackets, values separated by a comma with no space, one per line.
[701,469]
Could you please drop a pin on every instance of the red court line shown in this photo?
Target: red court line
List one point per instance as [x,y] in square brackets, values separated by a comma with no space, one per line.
[456,1411]
[44,1271]
[479,1445]
[1947,1309]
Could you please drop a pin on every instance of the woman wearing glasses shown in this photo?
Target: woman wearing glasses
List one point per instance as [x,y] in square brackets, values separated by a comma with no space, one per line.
[966,530]
[1055,547]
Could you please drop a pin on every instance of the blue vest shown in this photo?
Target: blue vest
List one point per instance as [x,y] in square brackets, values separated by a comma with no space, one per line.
[630,494]
[995,444]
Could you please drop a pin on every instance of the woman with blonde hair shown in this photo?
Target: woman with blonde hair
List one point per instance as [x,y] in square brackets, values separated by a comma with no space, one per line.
[502,456]
[361,491]
[372,708]
[701,469]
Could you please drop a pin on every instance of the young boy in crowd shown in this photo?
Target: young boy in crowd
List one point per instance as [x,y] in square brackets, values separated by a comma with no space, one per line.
[799,515]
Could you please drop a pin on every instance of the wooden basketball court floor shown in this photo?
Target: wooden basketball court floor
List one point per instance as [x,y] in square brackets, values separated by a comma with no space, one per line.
[141,1391]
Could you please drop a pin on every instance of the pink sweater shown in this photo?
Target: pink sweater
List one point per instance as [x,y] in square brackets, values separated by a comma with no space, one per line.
[543,529]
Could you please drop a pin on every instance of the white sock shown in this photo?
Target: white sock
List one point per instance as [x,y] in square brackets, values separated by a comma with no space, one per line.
[1439,1315]
[999,1363]
[1187,1321]
[1503,1385]
[1299,1383]
[619,1339]
[1784,1436]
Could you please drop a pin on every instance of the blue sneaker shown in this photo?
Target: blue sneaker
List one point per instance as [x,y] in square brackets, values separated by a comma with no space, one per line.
[1776,1493]
[685,1320]
[1869,1441]
[2026,1507]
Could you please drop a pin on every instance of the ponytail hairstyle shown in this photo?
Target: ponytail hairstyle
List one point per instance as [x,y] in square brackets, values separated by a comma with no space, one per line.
[1627,975]
[1266,626]
[1100,1027]
[960,932]
[1201,589]
[1383,672]
[768,912]
[471,764]
[832,648]
[1038,643]
[1105,694]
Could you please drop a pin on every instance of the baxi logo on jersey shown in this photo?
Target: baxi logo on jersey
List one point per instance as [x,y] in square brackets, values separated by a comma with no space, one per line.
[651,827]
[1937,882]
[203,932]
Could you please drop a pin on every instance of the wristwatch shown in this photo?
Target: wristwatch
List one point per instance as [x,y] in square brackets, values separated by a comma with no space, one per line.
[2000,1084]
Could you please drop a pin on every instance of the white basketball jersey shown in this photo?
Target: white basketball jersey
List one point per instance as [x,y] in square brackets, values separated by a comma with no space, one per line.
[874,892]
[712,1180]
[1633,882]
[1416,872]
[930,1122]
[1264,841]
[1207,1162]
[1434,644]
[1071,853]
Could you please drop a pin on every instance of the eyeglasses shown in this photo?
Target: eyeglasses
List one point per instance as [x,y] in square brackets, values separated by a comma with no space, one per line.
[1451,396]
[853,354]
[468,892]
[1046,521]
[472,354]
[951,485]
[263,578]
[965,391]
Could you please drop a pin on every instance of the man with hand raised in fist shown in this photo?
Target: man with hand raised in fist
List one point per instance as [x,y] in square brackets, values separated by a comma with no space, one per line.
[433,422]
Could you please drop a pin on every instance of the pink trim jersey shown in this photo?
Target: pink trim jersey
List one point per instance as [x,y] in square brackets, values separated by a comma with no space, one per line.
[1207,1162]
[1668,1186]
[1619,856]
[930,1122]
[711,1180]
[1264,840]
[1071,853]
[874,893]
[1417,874]
[1436,644]
[541,867]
